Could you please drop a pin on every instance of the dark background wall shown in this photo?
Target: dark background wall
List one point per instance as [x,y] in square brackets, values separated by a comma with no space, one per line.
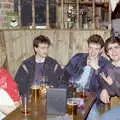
[40,12]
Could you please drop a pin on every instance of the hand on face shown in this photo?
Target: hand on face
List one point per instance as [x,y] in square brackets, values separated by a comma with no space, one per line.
[93,62]
[94,51]
[104,97]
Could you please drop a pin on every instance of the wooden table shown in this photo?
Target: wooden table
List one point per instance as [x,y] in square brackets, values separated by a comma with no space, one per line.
[89,101]
[39,112]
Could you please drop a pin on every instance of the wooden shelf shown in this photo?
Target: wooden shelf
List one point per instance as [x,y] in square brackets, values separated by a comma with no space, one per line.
[85,3]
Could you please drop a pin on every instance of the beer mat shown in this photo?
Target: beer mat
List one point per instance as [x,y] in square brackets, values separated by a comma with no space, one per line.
[65,117]
[78,101]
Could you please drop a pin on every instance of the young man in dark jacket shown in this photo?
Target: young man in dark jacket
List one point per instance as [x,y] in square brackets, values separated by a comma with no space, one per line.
[38,66]
[84,68]
[111,74]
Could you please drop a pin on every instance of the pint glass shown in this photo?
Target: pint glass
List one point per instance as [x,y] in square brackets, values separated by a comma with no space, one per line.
[25,108]
[71,107]
[35,94]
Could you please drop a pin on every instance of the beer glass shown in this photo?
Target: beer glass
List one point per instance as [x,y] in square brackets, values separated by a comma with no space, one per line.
[72,87]
[107,106]
[25,108]
[82,94]
[71,107]
[81,90]
[35,93]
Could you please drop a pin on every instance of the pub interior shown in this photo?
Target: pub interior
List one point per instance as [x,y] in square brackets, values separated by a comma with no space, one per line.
[69,74]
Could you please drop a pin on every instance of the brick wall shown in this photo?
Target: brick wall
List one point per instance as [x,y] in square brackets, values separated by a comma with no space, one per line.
[6,6]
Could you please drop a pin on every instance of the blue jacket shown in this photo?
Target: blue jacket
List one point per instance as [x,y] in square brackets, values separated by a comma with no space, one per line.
[25,74]
[114,89]
[75,68]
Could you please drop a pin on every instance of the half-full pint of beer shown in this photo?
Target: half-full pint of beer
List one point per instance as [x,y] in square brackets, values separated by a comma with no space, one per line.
[72,108]
[35,94]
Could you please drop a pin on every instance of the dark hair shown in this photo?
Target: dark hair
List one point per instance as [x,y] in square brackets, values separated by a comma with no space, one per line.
[116,12]
[111,40]
[41,39]
[97,39]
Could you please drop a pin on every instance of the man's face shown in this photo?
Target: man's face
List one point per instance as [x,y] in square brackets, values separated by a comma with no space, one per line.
[42,50]
[114,51]
[94,50]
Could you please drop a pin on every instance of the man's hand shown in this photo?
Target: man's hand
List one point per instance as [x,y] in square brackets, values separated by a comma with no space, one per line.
[93,62]
[43,89]
[104,97]
[108,79]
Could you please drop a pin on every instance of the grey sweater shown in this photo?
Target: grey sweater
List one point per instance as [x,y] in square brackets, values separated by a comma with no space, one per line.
[114,73]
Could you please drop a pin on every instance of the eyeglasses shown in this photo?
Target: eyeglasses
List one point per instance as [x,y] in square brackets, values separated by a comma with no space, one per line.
[115,47]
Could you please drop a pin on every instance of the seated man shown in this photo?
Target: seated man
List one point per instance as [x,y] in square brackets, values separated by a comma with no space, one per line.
[9,95]
[84,68]
[111,75]
[112,49]
[35,67]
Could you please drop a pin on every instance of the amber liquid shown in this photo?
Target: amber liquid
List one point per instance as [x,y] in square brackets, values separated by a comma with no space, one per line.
[43,90]
[35,95]
[26,112]
[72,109]
[82,94]
[25,109]
[107,107]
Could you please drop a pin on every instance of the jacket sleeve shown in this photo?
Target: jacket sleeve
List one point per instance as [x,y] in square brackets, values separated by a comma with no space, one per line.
[21,79]
[113,90]
[59,75]
[67,73]
[73,68]
[96,84]
[65,77]
[74,65]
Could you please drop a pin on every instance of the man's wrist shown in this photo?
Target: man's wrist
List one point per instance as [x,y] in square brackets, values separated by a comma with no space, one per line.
[110,83]
[97,70]
[97,67]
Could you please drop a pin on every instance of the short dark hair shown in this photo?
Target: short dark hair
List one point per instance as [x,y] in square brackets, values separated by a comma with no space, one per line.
[41,39]
[97,39]
[111,40]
